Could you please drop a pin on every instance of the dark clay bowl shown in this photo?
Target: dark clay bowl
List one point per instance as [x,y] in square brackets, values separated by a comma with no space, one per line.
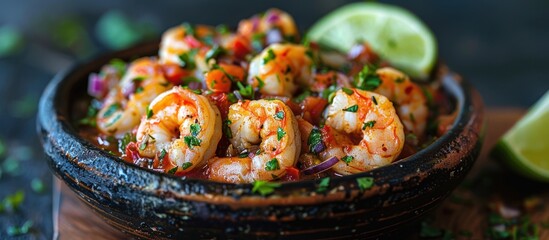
[148,204]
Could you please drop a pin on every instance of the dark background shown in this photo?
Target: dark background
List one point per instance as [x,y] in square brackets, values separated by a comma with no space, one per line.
[499,46]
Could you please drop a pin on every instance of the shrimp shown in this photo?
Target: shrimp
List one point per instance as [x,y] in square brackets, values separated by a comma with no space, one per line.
[127,102]
[273,20]
[265,129]
[279,69]
[411,103]
[182,129]
[364,131]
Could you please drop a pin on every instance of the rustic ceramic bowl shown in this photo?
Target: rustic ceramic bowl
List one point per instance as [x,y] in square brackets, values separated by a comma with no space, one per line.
[148,204]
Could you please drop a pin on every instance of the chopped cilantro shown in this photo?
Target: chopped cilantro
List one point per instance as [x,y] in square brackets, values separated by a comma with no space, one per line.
[280,133]
[323,185]
[369,124]
[162,154]
[365,183]
[259,82]
[186,60]
[149,113]
[302,96]
[119,66]
[227,129]
[347,159]
[315,138]
[93,109]
[232,98]
[215,52]
[247,91]
[353,108]
[138,79]
[186,165]
[139,90]
[125,140]
[189,29]
[111,110]
[173,170]
[264,188]
[348,91]
[279,115]
[195,129]
[329,93]
[270,56]
[244,154]
[272,165]
[192,141]
[367,79]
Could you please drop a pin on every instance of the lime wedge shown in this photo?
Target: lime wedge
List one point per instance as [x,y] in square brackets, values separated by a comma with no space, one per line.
[525,147]
[393,32]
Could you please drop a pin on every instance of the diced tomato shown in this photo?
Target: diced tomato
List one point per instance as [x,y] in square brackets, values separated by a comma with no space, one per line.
[292,174]
[312,108]
[241,47]
[217,81]
[174,73]
[132,152]
[234,70]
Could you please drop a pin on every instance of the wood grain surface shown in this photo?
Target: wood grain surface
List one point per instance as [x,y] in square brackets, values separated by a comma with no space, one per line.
[488,188]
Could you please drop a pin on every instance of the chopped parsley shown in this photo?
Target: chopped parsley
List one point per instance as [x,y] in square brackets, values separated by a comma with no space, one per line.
[139,90]
[227,129]
[149,113]
[189,29]
[264,188]
[348,91]
[111,110]
[374,100]
[186,165]
[215,52]
[259,82]
[119,66]
[365,183]
[367,79]
[279,115]
[329,93]
[272,165]
[302,96]
[162,154]
[195,129]
[247,91]
[90,119]
[125,140]
[173,170]
[353,108]
[187,61]
[138,79]
[192,141]
[232,98]
[347,159]
[323,185]
[144,143]
[270,56]
[315,138]
[244,154]
[280,133]
[369,124]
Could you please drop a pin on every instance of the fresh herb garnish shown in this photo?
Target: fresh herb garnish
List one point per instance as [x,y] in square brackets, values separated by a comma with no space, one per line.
[139,90]
[270,56]
[187,60]
[259,82]
[215,52]
[23,229]
[367,79]
[162,154]
[227,129]
[111,110]
[302,96]
[189,29]
[195,129]
[347,159]
[365,183]
[144,142]
[348,91]
[192,141]
[374,100]
[90,119]
[125,140]
[279,115]
[247,91]
[119,66]
[138,79]
[272,165]
[264,188]
[315,138]
[353,108]
[329,93]
[369,124]
[149,113]
[280,133]
[173,170]
[232,98]
[323,185]
[244,154]
[186,165]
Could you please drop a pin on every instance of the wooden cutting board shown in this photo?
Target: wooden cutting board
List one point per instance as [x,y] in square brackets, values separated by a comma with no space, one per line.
[463,213]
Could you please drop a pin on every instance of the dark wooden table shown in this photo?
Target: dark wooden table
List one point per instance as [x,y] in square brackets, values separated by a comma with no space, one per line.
[465,213]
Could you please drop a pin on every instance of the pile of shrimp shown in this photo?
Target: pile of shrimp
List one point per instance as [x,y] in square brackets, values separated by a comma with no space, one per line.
[255,104]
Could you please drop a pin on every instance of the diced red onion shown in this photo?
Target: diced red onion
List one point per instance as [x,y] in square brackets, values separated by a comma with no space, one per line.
[273,17]
[195,85]
[128,89]
[97,86]
[318,147]
[321,167]
[238,95]
[273,36]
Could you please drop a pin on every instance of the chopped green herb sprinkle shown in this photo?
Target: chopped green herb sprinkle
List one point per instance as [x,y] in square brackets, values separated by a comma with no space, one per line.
[112,109]
[264,188]
[348,91]
[125,140]
[215,52]
[270,56]
[280,133]
[374,100]
[173,170]
[247,91]
[323,184]
[138,79]
[353,108]
[227,129]
[186,165]
[365,183]
[162,154]
[315,138]
[149,113]
[367,79]
[272,165]
[195,129]
[279,115]
[222,29]
[143,144]
[259,82]
[23,229]
[302,96]
[232,98]
[347,159]
[369,124]
[139,90]
[192,141]
[189,29]
[187,60]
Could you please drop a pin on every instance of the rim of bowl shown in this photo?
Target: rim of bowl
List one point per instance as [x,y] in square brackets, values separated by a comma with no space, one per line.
[54,117]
